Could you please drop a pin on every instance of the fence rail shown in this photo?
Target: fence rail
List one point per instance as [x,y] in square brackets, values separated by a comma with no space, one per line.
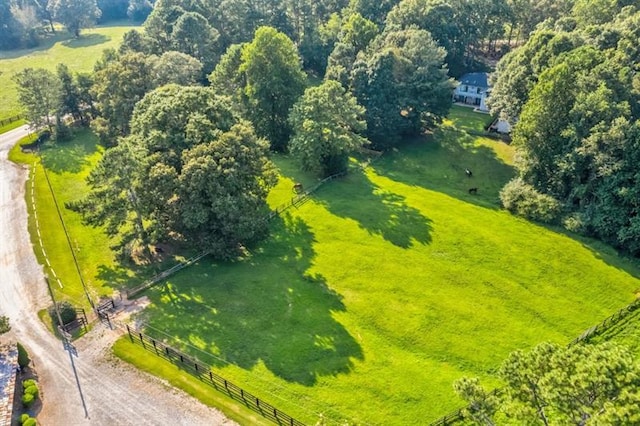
[164,274]
[301,198]
[204,373]
[10,120]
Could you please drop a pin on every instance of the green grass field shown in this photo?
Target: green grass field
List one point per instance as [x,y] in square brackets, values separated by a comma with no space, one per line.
[370,299]
[78,54]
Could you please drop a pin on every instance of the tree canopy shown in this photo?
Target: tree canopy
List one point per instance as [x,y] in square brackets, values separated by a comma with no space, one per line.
[582,384]
[402,82]
[327,125]
[75,14]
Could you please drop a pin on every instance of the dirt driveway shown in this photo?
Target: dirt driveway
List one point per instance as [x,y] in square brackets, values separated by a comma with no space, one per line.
[115,393]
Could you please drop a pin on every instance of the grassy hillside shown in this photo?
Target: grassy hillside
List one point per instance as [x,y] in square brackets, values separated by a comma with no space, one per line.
[370,299]
[79,54]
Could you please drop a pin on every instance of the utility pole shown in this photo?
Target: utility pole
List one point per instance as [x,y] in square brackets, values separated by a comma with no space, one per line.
[68,346]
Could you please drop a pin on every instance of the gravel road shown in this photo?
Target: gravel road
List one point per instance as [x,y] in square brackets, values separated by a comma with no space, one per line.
[115,393]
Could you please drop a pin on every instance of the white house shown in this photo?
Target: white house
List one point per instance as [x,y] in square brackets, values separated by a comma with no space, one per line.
[473,90]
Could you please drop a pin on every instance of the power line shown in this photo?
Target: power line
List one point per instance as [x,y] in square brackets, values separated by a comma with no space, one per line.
[66,233]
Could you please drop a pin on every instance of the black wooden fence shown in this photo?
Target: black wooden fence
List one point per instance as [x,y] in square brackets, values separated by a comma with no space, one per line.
[10,120]
[204,373]
[164,274]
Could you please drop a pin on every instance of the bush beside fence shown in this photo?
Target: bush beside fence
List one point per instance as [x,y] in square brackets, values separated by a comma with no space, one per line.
[204,373]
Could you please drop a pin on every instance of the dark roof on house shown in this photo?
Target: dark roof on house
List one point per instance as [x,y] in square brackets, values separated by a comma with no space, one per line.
[478,79]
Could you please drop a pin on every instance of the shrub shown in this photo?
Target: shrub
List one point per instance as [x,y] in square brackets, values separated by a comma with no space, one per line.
[575,222]
[24,417]
[28,382]
[67,313]
[30,422]
[524,200]
[28,400]
[23,356]
[32,390]
[4,325]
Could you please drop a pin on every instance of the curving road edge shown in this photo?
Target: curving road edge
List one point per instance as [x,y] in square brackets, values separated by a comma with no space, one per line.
[115,393]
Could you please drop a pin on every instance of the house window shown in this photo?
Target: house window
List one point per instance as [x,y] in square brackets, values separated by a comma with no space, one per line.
[464,89]
[479,91]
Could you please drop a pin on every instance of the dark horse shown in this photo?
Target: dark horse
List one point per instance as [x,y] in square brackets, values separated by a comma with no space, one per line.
[473,190]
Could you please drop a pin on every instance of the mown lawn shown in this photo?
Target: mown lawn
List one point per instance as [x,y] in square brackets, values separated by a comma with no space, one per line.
[369,300]
[78,54]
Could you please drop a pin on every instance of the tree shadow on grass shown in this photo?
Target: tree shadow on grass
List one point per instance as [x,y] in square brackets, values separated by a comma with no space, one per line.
[86,40]
[69,156]
[376,210]
[438,162]
[265,309]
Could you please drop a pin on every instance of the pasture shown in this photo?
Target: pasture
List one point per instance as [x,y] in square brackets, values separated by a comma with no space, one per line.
[78,54]
[371,298]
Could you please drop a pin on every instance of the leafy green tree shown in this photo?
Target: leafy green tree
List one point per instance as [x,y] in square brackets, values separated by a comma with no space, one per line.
[134,41]
[327,122]
[403,84]
[139,10]
[226,79]
[193,35]
[177,68]
[356,33]
[222,191]
[274,81]
[10,30]
[581,384]
[39,93]
[166,123]
[112,202]
[119,85]
[23,356]
[75,14]
[70,97]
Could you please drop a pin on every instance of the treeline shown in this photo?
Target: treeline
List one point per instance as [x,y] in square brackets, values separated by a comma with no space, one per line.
[24,23]
[190,106]
[574,90]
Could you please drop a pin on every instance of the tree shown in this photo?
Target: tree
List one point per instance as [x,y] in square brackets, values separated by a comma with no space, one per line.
[119,84]
[222,191]
[189,170]
[274,81]
[554,385]
[403,84]
[177,68]
[112,202]
[75,14]
[9,27]
[39,94]
[139,10]
[327,122]
[356,33]
[193,35]
[70,97]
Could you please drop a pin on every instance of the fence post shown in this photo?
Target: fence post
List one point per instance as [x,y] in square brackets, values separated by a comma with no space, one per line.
[142,341]
[154,346]
[129,331]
